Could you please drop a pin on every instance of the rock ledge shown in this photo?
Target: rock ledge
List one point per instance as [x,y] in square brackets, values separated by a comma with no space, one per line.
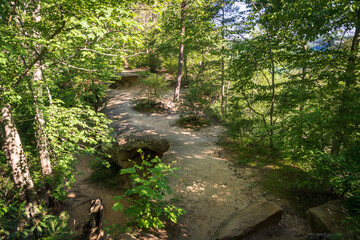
[249,219]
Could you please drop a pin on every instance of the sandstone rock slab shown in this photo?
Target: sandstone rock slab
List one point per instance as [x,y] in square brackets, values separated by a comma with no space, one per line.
[326,218]
[249,219]
[127,145]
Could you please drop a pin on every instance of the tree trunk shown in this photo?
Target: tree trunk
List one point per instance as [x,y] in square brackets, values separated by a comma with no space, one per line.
[272,86]
[93,229]
[185,67]
[15,155]
[202,66]
[35,87]
[223,60]
[181,51]
[345,107]
[227,96]
[303,74]
[42,141]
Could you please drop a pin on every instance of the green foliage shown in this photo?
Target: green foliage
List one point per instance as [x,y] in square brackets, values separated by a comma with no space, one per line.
[149,185]
[155,86]
[170,65]
[149,59]
[77,130]
[44,226]
[77,44]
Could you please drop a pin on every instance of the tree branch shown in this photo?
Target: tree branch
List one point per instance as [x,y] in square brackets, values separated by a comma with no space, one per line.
[95,51]
[42,53]
[74,67]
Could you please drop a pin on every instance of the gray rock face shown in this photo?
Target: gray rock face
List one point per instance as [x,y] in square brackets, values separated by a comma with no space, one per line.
[126,80]
[248,220]
[326,218]
[131,136]
[127,145]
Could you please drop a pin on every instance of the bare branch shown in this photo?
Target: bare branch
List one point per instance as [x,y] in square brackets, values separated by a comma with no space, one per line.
[95,51]
[42,53]
[78,68]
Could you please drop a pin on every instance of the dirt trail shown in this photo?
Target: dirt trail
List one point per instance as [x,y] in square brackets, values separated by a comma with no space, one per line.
[207,186]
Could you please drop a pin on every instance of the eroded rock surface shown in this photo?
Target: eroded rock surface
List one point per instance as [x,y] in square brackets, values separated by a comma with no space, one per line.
[130,135]
[250,219]
[127,145]
[127,79]
[326,218]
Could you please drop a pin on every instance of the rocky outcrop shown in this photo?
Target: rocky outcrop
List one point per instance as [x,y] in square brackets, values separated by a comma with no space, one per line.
[125,80]
[127,145]
[326,218]
[253,217]
[130,137]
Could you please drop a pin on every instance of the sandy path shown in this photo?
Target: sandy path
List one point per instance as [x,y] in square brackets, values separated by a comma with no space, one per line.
[207,187]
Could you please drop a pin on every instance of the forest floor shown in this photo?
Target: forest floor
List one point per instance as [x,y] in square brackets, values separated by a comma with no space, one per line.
[209,186]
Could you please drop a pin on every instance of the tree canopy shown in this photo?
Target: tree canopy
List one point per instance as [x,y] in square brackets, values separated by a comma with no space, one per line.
[282,76]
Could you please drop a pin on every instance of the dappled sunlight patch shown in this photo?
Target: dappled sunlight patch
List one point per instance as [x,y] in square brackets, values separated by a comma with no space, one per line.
[219,198]
[71,195]
[219,185]
[198,188]
[199,156]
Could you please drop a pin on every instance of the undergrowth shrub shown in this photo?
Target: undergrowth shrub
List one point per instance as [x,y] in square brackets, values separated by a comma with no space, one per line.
[45,226]
[148,105]
[193,121]
[155,85]
[149,186]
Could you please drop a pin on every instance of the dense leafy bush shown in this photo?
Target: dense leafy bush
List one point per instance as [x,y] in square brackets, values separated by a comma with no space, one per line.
[149,186]
[155,85]
[15,224]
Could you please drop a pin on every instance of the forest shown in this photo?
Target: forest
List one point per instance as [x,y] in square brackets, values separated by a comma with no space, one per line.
[281,77]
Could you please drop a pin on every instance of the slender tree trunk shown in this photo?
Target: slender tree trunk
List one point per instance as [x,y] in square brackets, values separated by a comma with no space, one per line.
[272,86]
[303,73]
[46,87]
[223,60]
[15,154]
[227,96]
[350,80]
[181,51]
[35,87]
[185,67]
[42,141]
[202,65]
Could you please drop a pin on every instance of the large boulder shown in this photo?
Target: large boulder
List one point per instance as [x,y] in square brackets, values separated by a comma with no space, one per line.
[326,218]
[127,145]
[250,219]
